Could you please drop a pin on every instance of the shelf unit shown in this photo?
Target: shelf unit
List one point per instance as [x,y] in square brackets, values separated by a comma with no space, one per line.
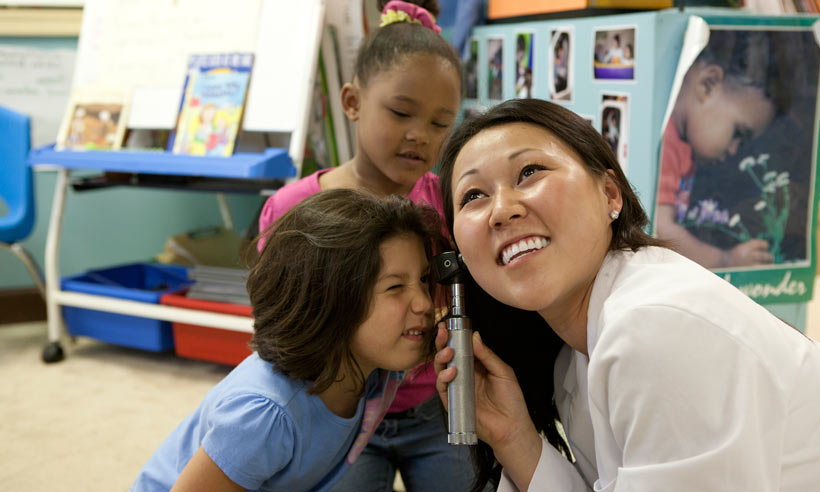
[272,164]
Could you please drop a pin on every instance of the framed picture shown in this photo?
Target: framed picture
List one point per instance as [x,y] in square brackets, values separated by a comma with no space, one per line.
[614,53]
[560,69]
[737,185]
[495,68]
[615,125]
[471,71]
[524,47]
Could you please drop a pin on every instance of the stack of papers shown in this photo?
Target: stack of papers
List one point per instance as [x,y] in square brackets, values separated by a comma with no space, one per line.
[219,284]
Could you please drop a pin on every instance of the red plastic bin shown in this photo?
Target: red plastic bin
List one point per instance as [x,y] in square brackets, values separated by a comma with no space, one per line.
[205,343]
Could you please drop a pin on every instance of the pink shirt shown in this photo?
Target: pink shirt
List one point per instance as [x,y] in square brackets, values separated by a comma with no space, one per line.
[420,382]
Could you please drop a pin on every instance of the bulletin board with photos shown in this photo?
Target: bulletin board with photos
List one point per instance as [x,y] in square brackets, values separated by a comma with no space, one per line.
[750,191]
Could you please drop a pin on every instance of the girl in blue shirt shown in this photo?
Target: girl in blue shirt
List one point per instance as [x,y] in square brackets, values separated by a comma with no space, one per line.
[341,305]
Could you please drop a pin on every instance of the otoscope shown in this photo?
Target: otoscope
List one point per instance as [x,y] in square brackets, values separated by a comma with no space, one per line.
[449,270]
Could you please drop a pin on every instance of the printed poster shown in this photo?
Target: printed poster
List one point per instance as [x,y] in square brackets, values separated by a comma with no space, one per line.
[737,186]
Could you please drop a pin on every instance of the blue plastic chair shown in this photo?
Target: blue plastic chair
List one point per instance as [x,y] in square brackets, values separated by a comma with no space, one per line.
[17,188]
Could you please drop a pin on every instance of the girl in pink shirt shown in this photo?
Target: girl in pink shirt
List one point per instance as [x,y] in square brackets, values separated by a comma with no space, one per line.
[404,97]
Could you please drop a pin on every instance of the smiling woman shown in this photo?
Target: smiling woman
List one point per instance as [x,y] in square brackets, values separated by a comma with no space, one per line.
[547,222]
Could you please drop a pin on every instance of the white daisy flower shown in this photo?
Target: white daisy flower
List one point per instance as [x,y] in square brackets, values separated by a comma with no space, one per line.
[746,163]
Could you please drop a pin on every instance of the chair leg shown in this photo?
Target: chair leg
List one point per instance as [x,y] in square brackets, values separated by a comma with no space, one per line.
[30,264]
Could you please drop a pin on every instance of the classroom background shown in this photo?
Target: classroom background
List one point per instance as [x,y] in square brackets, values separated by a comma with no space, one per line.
[90,421]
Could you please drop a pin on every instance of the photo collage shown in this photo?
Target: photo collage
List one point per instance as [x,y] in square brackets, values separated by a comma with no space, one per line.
[612,60]
[719,139]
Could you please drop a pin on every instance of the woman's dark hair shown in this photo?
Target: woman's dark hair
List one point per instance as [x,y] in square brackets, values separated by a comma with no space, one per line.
[592,149]
[387,46]
[313,284]
[532,351]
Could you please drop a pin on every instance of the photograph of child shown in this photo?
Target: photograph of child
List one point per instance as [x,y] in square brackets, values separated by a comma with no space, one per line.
[560,65]
[471,71]
[737,160]
[614,54]
[615,124]
[524,42]
[495,68]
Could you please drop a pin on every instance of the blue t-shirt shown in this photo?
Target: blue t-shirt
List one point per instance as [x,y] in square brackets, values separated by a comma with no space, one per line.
[265,432]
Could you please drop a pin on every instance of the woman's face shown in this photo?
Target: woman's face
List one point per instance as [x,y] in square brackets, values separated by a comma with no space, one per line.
[531,222]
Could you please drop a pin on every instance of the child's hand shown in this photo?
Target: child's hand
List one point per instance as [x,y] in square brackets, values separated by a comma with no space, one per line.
[753,252]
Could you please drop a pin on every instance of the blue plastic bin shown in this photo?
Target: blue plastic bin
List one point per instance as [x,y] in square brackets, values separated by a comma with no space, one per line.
[137,282]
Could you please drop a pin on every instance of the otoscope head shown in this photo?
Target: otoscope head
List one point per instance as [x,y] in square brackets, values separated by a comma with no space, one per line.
[448,268]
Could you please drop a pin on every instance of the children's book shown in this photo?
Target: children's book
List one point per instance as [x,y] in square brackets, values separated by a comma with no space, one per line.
[213,101]
[95,120]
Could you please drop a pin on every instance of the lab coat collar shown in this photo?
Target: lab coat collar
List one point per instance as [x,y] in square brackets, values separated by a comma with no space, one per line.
[601,289]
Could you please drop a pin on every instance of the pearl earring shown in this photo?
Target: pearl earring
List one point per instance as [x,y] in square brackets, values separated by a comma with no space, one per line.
[614,214]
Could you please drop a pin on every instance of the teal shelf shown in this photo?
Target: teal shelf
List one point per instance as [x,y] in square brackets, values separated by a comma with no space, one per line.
[272,163]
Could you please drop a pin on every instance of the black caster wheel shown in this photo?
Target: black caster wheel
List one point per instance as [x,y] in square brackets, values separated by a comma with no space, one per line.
[53,352]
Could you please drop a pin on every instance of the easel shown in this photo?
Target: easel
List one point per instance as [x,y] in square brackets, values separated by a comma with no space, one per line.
[133,47]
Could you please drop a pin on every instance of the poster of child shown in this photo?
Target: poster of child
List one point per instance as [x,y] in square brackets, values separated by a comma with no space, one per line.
[560,64]
[737,167]
[524,42]
[614,54]
[495,68]
[471,71]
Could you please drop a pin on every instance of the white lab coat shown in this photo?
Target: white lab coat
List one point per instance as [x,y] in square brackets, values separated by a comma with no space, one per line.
[689,386]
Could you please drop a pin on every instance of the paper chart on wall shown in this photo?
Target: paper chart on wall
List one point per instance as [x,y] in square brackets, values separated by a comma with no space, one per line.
[36,82]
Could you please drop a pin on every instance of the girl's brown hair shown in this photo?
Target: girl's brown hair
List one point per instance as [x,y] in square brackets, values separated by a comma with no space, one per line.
[312,287]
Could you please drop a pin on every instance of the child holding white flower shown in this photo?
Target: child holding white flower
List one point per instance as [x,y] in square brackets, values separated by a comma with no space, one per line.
[730,95]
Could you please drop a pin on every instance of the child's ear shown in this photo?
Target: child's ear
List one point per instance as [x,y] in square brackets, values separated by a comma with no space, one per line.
[709,78]
[351,100]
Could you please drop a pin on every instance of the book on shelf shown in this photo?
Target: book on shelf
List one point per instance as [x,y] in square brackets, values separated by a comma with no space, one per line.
[332,62]
[346,18]
[94,120]
[213,101]
[320,145]
[330,136]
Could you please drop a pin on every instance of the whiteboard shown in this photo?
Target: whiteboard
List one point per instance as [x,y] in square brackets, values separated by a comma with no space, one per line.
[142,48]
[36,82]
